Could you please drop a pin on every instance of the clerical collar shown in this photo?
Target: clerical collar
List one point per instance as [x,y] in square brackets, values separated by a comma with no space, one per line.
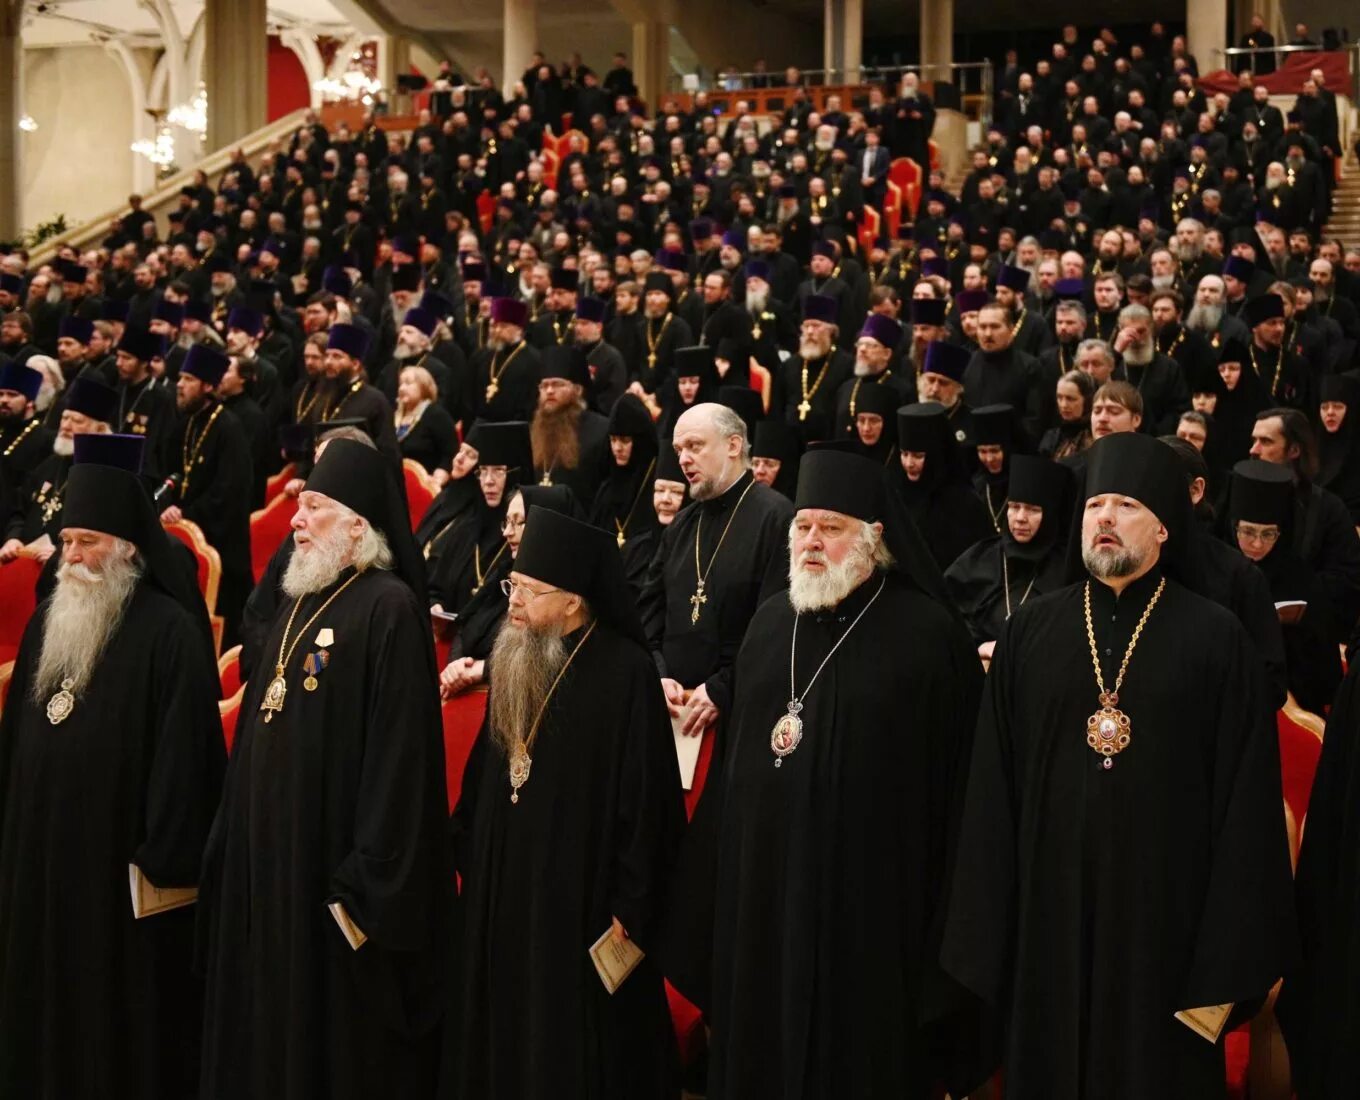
[1135,595]
[729,496]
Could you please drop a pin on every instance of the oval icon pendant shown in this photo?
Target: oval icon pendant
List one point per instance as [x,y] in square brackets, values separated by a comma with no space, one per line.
[787,734]
[1107,732]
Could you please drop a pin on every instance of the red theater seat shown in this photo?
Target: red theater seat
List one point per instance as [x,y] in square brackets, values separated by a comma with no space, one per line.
[17,601]
[462,719]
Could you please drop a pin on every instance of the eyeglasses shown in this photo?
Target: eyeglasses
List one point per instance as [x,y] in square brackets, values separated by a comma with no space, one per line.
[508,525]
[509,588]
[1267,535]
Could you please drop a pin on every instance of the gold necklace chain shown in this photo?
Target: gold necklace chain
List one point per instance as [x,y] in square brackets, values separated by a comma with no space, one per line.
[328,414]
[477,565]
[623,527]
[520,760]
[805,406]
[699,598]
[191,457]
[1006,580]
[653,344]
[32,424]
[278,689]
[1113,696]
[494,385]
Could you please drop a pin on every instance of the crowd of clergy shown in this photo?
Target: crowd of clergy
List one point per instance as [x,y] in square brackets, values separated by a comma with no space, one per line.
[879,640]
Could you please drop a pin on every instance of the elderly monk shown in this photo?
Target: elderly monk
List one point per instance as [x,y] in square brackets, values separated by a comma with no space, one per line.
[565,833]
[111,760]
[814,955]
[1123,856]
[324,887]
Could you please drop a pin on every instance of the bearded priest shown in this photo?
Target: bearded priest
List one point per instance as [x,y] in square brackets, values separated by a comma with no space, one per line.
[565,835]
[814,953]
[1122,892]
[324,887]
[111,759]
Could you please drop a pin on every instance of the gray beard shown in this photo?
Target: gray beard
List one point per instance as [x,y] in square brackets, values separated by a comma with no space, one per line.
[526,662]
[1140,356]
[85,612]
[316,568]
[756,303]
[1116,561]
[63,447]
[1163,282]
[1204,318]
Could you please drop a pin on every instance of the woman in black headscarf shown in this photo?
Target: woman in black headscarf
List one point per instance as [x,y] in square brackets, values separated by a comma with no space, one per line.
[993,436]
[474,545]
[1243,396]
[623,502]
[693,380]
[876,423]
[991,579]
[933,483]
[1339,458]
[1261,526]
[1072,433]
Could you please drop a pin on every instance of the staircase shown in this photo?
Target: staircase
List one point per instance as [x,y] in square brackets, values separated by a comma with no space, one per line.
[1345,223]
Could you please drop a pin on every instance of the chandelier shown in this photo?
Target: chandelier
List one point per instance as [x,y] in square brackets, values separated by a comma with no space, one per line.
[191,116]
[27,124]
[161,150]
[353,85]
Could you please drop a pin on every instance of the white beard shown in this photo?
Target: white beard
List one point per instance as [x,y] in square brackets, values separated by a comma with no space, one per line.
[824,590]
[85,612]
[1163,282]
[318,566]
[63,446]
[756,303]
[811,349]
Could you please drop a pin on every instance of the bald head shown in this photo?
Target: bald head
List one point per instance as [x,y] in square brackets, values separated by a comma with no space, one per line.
[710,442]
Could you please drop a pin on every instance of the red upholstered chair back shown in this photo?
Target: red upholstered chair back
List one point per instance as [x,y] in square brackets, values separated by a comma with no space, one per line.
[486,211]
[1300,734]
[420,489]
[463,716]
[905,174]
[760,382]
[268,528]
[18,599]
[230,710]
[274,485]
[6,673]
[229,671]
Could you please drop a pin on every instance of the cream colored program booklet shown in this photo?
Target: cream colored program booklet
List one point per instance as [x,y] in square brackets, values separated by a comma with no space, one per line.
[614,959]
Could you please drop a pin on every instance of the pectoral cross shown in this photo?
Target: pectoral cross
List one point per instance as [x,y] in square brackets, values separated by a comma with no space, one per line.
[651,360]
[696,600]
[804,409]
[491,391]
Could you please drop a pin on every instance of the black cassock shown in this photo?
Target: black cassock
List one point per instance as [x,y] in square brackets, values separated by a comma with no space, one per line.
[593,837]
[340,797]
[818,965]
[215,493]
[752,564]
[1091,905]
[981,586]
[93,1003]
[1319,1008]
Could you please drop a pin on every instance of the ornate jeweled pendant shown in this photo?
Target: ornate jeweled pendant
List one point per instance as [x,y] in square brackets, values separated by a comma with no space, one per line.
[274,696]
[520,763]
[787,733]
[1107,730]
[59,707]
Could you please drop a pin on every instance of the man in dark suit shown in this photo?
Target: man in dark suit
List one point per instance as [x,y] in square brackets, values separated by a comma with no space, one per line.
[874,163]
[1258,38]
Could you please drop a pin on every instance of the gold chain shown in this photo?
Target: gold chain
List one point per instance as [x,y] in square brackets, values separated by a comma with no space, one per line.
[1006,580]
[653,344]
[698,527]
[1137,630]
[821,374]
[623,527]
[477,564]
[495,374]
[520,759]
[191,457]
[328,414]
[20,437]
[286,650]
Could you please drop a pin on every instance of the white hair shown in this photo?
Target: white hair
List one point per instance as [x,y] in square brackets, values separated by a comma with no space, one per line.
[320,565]
[824,590]
[84,613]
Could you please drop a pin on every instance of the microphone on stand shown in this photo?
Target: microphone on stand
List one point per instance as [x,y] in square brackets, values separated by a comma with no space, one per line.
[171,482]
